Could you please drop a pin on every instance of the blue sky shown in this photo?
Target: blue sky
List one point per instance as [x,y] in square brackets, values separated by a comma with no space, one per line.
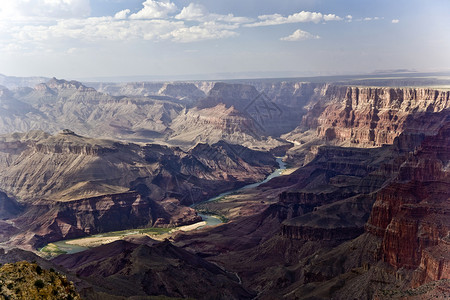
[101,38]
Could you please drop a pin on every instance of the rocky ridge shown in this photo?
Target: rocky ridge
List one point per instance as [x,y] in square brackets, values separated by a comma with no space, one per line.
[149,268]
[375,116]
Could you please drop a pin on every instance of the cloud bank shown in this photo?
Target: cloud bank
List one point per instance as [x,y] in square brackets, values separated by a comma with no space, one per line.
[26,24]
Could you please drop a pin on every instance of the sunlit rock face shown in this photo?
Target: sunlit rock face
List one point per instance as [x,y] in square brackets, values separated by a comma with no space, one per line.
[376,116]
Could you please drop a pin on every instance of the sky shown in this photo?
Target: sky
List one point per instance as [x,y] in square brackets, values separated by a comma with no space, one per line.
[76,39]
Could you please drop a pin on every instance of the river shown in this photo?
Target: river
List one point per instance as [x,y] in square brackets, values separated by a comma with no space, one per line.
[211,220]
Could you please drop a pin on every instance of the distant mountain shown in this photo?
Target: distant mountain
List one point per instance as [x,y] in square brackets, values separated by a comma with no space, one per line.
[12,82]
[60,104]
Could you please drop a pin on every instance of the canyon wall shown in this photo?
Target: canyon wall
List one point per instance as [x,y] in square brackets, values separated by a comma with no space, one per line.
[412,213]
[48,221]
[376,116]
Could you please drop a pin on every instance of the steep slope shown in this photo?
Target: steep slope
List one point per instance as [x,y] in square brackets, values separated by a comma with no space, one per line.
[234,113]
[16,115]
[374,116]
[299,95]
[404,252]
[128,269]
[68,166]
[184,91]
[329,199]
[270,117]
[210,125]
[412,214]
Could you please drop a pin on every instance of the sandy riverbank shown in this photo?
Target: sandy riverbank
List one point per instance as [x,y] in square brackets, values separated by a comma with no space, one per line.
[93,241]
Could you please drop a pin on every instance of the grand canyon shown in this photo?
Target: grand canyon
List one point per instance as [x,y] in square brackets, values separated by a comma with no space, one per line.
[224,150]
[251,189]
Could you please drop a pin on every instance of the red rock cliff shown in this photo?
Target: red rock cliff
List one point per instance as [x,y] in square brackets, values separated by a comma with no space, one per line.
[412,214]
[375,116]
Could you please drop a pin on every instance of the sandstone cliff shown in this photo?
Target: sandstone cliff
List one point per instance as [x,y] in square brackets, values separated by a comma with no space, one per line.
[412,213]
[374,116]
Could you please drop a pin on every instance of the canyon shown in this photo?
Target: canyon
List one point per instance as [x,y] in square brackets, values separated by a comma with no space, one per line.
[363,211]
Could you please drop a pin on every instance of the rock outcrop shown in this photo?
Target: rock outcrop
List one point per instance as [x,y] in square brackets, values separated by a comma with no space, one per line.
[186,92]
[49,221]
[271,118]
[8,207]
[375,116]
[412,213]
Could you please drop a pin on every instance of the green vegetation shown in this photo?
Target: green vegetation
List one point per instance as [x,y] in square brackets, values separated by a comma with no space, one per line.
[213,213]
[149,230]
[53,250]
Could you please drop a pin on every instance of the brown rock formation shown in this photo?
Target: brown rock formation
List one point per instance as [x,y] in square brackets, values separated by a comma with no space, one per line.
[375,116]
[128,269]
[412,213]
[52,221]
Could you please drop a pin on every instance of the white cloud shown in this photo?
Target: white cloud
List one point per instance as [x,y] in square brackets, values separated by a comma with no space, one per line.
[197,12]
[122,14]
[98,29]
[301,17]
[112,29]
[331,17]
[155,21]
[41,24]
[192,12]
[14,10]
[395,21]
[155,10]
[206,31]
[370,19]
[300,35]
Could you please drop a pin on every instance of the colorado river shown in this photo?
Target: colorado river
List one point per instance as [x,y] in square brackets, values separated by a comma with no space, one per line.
[70,246]
[276,173]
